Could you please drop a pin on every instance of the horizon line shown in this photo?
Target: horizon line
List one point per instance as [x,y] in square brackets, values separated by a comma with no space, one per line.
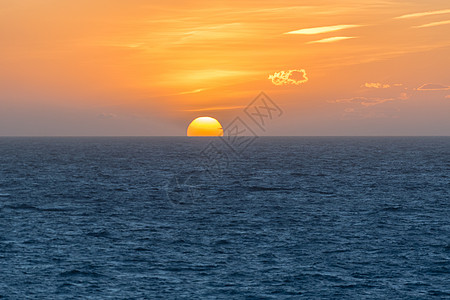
[180,136]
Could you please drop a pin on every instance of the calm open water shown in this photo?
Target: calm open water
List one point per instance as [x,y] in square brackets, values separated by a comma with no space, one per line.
[290,218]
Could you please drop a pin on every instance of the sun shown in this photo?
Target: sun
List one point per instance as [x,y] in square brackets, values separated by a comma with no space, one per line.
[205,126]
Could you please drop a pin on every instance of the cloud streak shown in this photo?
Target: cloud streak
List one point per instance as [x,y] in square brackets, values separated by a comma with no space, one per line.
[295,77]
[433,24]
[364,101]
[378,85]
[332,39]
[433,87]
[192,92]
[324,29]
[423,14]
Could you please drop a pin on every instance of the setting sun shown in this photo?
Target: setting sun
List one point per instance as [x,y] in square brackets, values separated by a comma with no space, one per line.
[205,126]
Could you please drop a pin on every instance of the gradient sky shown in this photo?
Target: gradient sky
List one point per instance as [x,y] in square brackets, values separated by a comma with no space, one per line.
[110,67]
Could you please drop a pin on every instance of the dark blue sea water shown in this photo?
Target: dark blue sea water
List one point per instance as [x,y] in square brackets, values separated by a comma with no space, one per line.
[161,218]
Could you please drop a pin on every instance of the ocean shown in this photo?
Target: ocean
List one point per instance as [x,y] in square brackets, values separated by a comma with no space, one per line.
[193,218]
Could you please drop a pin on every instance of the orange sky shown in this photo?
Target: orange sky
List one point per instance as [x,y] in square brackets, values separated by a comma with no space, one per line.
[110,67]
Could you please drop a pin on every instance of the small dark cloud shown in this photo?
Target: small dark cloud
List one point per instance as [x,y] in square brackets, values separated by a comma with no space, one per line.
[107,116]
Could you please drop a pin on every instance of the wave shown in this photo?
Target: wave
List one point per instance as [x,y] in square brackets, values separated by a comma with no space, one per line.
[25,206]
[22,206]
[102,233]
[268,188]
[392,208]
[75,272]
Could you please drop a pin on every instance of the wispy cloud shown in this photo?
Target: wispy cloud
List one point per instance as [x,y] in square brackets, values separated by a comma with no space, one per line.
[433,24]
[447,97]
[332,39]
[423,14]
[433,87]
[215,108]
[324,29]
[364,101]
[289,77]
[201,34]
